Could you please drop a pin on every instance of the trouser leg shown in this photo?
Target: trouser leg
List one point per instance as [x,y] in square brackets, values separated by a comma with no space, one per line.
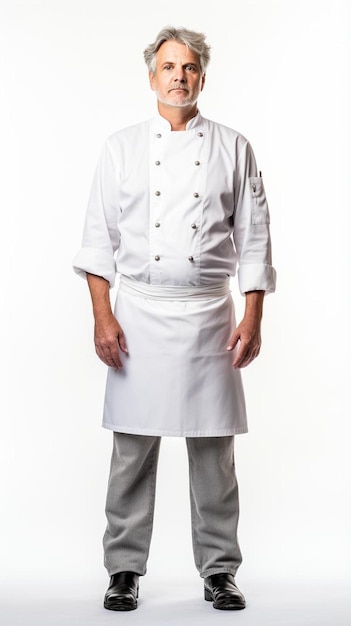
[214,504]
[130,502]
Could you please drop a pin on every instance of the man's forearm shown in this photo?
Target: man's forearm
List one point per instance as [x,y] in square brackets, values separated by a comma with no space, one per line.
[100,295]
[254,305]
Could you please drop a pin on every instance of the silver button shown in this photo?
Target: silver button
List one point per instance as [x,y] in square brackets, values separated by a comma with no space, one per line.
[158,135]
[196,195]
[193,225]
[197,162]
[254,188]
[157,162]
[200,134]
[190,258]
[157,224]
[157,193]
[157,258]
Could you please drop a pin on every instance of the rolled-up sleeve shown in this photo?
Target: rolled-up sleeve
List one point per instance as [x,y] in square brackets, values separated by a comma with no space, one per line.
[101,235]
[251,227]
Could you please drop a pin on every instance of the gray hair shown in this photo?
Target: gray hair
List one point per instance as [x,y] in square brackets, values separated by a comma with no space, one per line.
[193,40]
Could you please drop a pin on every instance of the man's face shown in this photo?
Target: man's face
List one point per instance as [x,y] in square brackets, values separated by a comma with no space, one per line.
[177,80]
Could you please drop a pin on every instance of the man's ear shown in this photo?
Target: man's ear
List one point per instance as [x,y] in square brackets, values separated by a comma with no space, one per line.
[203,81]
[152,80]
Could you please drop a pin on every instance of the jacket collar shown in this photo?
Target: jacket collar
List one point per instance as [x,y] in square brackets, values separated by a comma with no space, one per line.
[193,123]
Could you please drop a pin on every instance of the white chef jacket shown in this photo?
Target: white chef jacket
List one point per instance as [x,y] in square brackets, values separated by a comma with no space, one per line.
[176,210]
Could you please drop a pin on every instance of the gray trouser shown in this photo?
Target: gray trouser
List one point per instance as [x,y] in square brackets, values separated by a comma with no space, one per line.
[131,498]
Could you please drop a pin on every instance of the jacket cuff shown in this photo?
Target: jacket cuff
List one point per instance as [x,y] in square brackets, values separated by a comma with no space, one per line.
[256,277]
[94,261]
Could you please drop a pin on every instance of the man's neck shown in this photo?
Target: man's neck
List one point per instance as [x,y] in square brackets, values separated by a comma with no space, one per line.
[178,117]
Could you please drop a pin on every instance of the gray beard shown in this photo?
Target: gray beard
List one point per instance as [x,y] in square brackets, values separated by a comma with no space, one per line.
[185,103]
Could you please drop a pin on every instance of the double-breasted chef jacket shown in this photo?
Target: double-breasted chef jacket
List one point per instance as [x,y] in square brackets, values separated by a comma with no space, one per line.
[177,215]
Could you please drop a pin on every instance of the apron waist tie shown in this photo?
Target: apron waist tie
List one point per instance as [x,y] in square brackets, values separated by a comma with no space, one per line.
[174,292]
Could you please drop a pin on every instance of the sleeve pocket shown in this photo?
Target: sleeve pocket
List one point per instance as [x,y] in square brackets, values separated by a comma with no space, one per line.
[259,206]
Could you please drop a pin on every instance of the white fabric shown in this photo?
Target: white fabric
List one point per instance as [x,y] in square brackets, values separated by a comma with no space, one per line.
[177,379]
[124,210]
[181,210]
[171,292]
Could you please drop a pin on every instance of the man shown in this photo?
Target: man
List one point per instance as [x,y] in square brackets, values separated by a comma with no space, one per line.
[179,199]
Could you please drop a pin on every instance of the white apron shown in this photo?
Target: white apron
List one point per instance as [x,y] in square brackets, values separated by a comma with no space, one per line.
[177,379]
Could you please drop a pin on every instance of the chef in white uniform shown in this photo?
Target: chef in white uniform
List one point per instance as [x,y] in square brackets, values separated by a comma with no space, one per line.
[177,208]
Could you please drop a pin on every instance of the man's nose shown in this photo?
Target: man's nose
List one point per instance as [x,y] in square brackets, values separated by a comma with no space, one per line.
[180,75]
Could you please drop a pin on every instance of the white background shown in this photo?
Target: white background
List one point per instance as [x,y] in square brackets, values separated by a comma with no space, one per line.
[72,72]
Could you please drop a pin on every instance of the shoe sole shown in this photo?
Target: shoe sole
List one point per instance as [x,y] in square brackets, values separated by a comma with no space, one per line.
[119,606]
[230,606]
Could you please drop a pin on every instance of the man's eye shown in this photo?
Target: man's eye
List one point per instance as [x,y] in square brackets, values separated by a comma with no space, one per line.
[190,67]
[167,67]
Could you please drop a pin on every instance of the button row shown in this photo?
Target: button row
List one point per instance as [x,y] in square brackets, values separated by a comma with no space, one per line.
[190,258]
[157,225]
[195,194]
[199,134]
[159,162]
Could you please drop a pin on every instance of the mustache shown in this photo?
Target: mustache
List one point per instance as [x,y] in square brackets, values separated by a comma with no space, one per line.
[178,86]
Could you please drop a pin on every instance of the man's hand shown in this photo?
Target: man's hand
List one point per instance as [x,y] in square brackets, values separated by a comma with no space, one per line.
[109,339]
[108,335]
[250,343]
[248,333]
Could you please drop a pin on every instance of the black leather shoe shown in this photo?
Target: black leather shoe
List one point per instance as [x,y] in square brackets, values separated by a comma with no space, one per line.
[223,592]
[122,592]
